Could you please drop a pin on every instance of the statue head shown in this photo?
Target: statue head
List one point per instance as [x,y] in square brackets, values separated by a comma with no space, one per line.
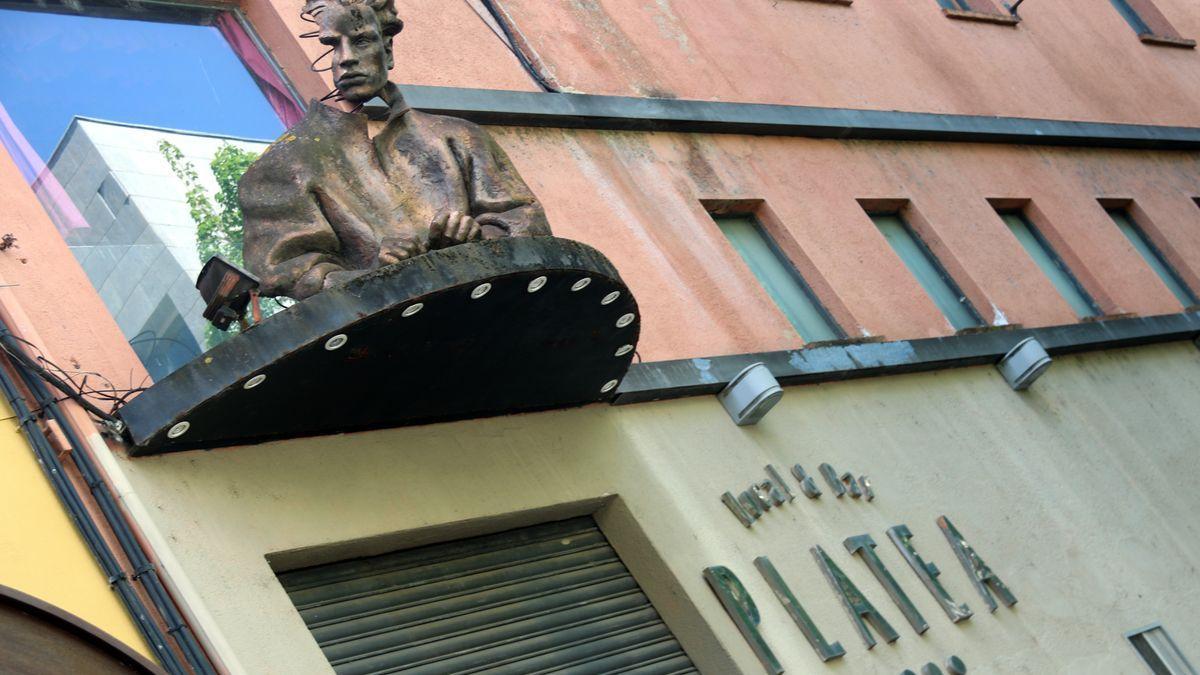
[359,36]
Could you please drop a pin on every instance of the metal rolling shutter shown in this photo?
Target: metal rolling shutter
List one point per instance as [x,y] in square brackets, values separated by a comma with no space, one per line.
[547,599]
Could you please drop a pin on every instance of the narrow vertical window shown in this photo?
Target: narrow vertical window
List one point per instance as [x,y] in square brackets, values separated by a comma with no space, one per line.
[928,271]
[1050,263]
[1153,257]
[1159,652]
[779,278]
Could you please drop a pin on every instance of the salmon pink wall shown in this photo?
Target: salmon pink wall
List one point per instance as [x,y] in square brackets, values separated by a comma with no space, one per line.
[638,197]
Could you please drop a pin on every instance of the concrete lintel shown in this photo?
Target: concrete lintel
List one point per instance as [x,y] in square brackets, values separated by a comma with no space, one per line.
[824,363]
[586,111]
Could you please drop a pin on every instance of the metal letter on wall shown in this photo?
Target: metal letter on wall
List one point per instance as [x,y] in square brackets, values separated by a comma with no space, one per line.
[858,607]
[743,516]
[981,575]
[928,574]
[741,608]
[864,546]
[826,651]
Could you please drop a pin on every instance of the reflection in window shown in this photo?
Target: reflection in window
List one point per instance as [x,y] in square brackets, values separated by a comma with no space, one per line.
[130,125]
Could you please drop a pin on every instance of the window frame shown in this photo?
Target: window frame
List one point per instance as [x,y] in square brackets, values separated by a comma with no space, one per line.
[160,11]
[1149,23]
[1127,209]
[789,266]
[933,260]
[985,11]
[1055,258]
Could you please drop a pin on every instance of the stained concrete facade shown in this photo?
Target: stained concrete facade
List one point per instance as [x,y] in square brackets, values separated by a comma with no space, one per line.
[1070,492]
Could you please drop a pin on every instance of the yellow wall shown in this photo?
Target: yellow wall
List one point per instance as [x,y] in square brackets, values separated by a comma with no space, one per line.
[41,552]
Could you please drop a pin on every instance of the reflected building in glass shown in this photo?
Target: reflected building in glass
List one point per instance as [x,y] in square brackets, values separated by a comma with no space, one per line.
[139,246]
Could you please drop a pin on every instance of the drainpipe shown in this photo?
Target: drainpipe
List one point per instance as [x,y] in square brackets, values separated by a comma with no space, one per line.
[144,572]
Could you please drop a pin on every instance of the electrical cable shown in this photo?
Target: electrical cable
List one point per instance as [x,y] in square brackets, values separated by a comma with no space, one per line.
[35,379]
[511,42]
[48,459]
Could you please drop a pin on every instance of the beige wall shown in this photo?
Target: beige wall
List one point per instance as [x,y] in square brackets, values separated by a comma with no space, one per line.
[1077,493]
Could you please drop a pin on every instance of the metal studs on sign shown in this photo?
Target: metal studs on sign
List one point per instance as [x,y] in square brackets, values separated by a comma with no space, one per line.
[537,284]
[581,284]
[412,309]
[609,386]
[336,342]
[625,320]
[624,350]
[610,298]
[481,290]
[179,429]
[254,381]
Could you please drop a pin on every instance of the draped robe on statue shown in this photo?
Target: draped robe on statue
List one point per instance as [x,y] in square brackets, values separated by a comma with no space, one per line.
[326,199]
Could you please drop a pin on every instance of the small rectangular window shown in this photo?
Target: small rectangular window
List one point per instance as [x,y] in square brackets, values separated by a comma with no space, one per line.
[928,271]
[1153,257]
[1050,263]
[1149,23]
[779,278]
[964,9]
[1159,652]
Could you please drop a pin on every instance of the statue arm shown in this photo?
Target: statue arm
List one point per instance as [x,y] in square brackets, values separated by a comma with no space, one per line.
[501,202]
[288,243]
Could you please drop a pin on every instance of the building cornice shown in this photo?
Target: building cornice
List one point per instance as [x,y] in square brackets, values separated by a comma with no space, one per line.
[662,380]
[587,111]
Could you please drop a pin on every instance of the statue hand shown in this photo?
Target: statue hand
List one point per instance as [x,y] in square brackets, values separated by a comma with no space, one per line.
[450,228]
[394,249]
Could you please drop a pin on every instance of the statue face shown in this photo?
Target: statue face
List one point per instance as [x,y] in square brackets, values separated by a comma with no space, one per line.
[360,57]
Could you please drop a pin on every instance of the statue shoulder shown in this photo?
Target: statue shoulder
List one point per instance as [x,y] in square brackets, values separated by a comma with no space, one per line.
[308,144]
[451,127]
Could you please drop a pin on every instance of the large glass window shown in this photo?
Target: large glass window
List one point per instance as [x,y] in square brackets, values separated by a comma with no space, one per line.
[132,122]
[1153,257]
[1051,265]
[780,278]
[921,262]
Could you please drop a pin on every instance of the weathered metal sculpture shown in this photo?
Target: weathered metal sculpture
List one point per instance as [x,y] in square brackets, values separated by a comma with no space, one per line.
[327,203]
[425,294]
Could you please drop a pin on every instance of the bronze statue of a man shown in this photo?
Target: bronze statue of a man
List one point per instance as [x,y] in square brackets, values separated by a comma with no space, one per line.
[327,202]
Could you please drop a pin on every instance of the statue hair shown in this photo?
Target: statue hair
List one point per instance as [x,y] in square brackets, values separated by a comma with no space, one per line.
[385,12]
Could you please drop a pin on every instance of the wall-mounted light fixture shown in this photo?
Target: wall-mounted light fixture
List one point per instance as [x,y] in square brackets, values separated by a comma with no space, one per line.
[226,290]
[1024,364]
[750,395]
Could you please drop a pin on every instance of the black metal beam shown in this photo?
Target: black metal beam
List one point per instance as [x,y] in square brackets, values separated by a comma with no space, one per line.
[586,111]
[698,377]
